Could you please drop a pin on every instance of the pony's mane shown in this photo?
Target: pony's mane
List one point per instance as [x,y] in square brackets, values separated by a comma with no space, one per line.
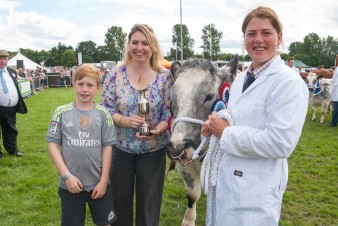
[198,64]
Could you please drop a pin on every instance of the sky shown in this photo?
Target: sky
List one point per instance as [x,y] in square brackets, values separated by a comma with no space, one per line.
[42,24]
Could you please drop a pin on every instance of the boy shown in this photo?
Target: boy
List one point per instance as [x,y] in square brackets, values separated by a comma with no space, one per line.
[80,140]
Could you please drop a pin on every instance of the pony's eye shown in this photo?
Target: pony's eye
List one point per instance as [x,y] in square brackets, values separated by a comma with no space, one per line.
[208,97]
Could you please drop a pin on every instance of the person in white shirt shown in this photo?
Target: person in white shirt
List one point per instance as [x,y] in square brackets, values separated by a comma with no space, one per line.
[291,63]
[268,117]
[334,101]
[11,102]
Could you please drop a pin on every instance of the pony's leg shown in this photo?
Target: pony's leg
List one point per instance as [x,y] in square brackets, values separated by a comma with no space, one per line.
[191,179]
[324,109]
[193,195]
[314,109]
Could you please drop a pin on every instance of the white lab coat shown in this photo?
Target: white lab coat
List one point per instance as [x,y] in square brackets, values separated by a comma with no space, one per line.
[268,120]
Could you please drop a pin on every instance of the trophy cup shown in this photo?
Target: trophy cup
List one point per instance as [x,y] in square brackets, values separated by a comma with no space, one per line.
[143,110]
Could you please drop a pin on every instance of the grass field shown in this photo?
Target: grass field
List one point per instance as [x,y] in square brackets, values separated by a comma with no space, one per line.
[28,185]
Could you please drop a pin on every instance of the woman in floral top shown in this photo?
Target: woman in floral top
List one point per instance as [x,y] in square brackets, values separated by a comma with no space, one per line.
[139,161]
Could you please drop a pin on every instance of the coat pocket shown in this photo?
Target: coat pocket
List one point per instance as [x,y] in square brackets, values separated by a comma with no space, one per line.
[250,190]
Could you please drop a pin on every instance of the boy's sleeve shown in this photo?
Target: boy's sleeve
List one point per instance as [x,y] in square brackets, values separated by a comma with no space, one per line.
[54,130]
[108,129]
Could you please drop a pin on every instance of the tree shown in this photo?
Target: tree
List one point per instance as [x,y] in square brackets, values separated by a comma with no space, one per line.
[312,44]
[188,43]
[36,56]
[56,53]
[103,53]
[330,49]
[88,50]
[44,56]
[211,38]
[296,47]
[115,40]
[68,58]
[315,51]
[31,54]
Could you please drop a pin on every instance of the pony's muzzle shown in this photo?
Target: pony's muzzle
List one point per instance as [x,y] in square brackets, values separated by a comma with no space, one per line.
[176,151]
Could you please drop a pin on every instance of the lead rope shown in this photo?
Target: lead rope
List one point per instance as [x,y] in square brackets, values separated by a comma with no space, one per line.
[209,169]
[212,153]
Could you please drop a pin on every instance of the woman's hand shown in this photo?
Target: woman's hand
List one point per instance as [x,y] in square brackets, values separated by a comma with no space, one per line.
[216,125]
[205,129]
[154,133]
[136,121]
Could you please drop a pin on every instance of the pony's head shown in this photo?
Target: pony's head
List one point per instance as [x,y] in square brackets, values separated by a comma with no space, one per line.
[196,90]
[311,81]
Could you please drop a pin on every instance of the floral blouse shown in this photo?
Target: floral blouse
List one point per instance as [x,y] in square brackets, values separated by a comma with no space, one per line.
[119,96]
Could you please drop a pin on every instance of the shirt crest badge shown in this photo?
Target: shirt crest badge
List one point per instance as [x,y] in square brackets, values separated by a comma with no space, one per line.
[84,121]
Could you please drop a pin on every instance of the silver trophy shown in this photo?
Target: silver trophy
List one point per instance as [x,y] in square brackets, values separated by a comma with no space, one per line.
[143,110]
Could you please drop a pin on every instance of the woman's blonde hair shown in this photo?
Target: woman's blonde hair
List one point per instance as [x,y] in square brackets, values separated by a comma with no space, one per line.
[157,57]
[87,70]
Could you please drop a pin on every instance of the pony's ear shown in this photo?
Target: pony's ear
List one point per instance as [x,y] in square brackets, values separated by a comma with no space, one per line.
[174,68]
[229,71]
[233,64]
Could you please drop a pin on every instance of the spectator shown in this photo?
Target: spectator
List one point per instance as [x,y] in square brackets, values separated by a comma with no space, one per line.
[67,77]
[21,73]
[291,63]
[62,77]
[334,102]
[28,75]
[11,102]
[240,68]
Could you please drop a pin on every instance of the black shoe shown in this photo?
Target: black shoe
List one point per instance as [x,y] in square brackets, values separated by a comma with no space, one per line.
[333,125]
[17,153]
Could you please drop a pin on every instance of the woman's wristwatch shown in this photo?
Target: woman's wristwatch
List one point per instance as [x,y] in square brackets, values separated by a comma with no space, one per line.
[159,131]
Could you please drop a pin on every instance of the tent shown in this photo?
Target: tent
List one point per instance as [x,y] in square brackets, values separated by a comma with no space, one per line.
[300,63]
[166,63]
[27,63]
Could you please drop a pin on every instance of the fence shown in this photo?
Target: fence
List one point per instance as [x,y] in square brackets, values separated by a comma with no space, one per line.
[25,87]
[28,88]
[54,80]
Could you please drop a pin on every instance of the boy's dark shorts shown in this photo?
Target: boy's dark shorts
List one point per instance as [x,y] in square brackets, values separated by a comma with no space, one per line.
[74,207]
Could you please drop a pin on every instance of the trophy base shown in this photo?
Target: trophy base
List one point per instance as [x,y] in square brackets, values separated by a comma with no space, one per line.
[144,130]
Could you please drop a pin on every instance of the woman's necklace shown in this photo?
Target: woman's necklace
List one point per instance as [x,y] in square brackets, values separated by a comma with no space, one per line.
[139,74]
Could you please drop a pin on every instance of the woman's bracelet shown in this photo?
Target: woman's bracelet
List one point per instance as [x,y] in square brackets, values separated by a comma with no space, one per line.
[159,131]
[119,123]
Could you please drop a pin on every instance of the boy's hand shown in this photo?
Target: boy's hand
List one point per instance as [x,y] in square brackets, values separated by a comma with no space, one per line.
[99,190]
[74,185]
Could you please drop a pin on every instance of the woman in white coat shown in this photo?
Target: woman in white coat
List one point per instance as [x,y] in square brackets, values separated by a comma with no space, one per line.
[268,117]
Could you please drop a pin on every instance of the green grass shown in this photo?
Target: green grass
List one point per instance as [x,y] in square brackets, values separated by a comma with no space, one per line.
[28,185]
